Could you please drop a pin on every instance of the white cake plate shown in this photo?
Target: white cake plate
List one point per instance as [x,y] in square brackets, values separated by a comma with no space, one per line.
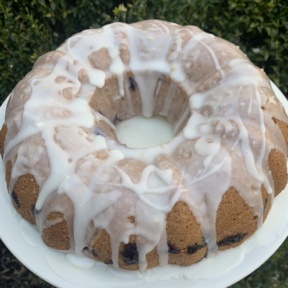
[65,271]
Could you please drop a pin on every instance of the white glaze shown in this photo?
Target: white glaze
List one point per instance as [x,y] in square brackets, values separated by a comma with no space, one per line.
[220,265]
[66,124]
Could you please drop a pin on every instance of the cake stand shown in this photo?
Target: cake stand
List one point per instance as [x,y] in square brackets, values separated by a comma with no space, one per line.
[67,271]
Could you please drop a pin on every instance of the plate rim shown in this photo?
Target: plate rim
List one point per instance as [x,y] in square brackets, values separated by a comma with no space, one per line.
[36,265]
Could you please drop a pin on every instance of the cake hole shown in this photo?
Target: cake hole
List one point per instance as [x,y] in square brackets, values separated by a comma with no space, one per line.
[148,110]
[142,132]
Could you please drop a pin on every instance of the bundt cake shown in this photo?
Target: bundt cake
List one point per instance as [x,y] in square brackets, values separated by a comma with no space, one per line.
[206,190]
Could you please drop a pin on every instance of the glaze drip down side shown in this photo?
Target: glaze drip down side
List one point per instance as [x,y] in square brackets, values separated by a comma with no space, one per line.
[208,189]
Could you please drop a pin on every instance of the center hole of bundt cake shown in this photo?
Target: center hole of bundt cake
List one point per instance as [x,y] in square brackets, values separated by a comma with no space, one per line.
[143,132]
[146,108]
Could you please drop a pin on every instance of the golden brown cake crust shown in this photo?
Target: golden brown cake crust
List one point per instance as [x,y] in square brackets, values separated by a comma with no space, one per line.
[283,127]
[235,220]
[185,243]
[185,240]
[3,132]
[62,241]
[8,171]
[24,196]
[267,202]
[277,165]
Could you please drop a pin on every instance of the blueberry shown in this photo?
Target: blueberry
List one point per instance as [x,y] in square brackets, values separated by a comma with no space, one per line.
[173,249]
[194,248]
[15,199]
[130,254]
[94,253]
[108,262]
[132,84]
[230,240]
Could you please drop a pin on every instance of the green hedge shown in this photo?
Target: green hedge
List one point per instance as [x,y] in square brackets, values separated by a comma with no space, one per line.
[259,27]
[30,28]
